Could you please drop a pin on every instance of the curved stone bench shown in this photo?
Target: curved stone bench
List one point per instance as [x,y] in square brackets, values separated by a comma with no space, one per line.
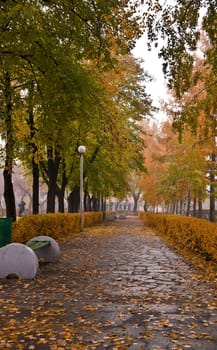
[23,260]
[18,259]
[49,253]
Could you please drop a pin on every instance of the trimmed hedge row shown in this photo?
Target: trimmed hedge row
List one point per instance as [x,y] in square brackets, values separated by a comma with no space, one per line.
[60,226]
[197,236]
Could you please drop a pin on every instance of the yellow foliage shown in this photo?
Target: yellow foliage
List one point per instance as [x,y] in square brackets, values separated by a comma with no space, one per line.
[60,226]
[91,218]
[197,236]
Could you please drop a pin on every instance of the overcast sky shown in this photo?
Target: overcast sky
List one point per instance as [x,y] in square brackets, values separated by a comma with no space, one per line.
[153,65]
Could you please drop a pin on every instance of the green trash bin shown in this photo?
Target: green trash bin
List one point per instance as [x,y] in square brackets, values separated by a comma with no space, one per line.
[5,231]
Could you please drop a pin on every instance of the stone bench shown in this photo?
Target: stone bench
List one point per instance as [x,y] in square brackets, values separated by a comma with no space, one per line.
[23,260]
[122,217]
[111,218]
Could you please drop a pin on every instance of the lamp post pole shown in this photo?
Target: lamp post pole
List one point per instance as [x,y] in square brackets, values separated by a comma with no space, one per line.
[81,150]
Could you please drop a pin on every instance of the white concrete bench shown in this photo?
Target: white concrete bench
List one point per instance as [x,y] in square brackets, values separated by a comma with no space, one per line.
[23,260]
[111,218]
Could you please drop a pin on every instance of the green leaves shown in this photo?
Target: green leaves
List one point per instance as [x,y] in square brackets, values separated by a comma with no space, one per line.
[58,55]
[179,26]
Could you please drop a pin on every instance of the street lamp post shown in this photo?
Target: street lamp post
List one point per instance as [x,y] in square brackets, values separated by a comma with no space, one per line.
[81,150]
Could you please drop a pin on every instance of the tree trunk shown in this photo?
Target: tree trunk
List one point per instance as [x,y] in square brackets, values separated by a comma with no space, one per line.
[200,205]
[74,200]
[194,206]
[172,206]
[135,204]
[61,206]
[104,204]
[177,207]
[9,195]
[87,202]
[136,199]
[9,149]
[181,207]
[35,187]
[145,207]
[52,172]
[61,191]
[34,151]
[212,189]
[51,194]
[188,203]
[95,204]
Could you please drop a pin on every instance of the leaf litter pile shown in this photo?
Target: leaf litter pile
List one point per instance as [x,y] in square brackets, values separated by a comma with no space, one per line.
[116,286]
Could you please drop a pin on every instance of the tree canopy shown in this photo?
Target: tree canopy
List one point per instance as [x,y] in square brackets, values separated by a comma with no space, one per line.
[57,58]
[67,78]
[180,25]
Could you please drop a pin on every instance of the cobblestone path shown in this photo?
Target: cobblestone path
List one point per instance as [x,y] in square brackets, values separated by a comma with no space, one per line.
[116,286]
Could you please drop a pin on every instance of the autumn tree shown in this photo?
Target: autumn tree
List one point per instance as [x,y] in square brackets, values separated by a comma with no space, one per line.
[113,137]
[154,154]
[185,179]
[33,38]
[196,110]
[181,25]
[176,172]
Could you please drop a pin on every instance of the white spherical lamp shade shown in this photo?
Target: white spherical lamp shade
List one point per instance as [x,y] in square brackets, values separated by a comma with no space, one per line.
[81,149]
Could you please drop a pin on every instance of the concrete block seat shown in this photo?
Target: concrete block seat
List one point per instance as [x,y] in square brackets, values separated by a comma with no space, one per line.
[23,260]
[111,218]
[122,217]
[50,252]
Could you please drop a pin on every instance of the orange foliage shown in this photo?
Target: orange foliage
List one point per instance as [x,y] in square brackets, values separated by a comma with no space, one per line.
[198,237]
[60,226]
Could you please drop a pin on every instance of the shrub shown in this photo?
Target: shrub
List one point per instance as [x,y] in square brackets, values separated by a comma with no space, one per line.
[60,226]
[197,236]
[91,218]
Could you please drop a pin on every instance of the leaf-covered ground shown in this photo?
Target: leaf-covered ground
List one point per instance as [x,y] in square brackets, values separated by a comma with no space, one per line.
[116,286]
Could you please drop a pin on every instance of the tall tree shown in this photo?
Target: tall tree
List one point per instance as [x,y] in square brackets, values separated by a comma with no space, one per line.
[181,24]
[35,34]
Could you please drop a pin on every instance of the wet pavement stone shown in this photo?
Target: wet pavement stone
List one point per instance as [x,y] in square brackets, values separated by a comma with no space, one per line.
[116,286]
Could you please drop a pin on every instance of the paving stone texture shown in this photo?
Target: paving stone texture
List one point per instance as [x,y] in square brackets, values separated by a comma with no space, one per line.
[116,286]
